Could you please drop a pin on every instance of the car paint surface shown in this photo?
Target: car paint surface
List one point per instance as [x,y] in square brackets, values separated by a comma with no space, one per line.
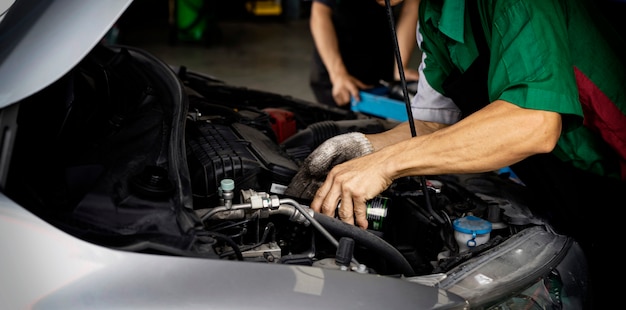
[45,268]
[42,40]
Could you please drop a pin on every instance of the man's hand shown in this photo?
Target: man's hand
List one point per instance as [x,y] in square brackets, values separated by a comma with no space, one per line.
[316,166]
[352,184]
[346,86]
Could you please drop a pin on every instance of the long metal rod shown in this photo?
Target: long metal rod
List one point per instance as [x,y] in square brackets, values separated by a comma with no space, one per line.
[407,103]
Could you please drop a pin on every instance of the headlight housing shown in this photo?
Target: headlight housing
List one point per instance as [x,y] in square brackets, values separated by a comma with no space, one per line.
[534,269]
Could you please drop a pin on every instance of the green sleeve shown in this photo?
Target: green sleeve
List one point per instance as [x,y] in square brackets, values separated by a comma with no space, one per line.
[530,60]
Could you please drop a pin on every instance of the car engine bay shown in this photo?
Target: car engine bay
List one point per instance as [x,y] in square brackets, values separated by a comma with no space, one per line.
[133,154]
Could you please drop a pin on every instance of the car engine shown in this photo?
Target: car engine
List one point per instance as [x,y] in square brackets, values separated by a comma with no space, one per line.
[140,156]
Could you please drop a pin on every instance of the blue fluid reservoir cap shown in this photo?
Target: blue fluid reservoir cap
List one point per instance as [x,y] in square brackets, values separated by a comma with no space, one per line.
[472,225]
[227,184]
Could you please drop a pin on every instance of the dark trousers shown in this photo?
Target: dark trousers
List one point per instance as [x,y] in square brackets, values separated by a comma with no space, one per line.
[320,82]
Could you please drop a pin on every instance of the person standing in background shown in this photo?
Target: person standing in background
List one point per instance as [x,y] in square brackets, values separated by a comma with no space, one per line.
[354,47]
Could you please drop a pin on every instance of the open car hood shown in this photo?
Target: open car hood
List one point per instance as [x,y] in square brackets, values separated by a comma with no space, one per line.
[42,40]
[120,189]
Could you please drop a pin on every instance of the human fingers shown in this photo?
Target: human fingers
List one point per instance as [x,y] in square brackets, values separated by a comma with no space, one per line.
[346,88]
[361,85]
[345,210]
[318,198]
[341,94]
[353,207]
[324,202]
[360,213]
[354,87]
[361,180]
[352,210]
[343,100]
[356,96]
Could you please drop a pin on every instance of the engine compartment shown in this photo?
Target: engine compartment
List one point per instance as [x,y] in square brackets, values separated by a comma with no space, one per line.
[128,152]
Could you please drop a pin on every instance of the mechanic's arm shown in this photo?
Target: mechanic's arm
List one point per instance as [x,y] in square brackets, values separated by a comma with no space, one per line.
[405,31]
[498,135]
[325,39]
[402,132]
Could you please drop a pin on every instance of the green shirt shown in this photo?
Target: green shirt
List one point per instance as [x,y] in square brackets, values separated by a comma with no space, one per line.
[544,54]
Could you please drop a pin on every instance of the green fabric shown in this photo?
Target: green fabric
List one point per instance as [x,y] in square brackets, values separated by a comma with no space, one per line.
[535,46]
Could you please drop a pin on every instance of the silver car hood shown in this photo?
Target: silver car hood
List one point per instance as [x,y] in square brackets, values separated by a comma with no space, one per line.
[41,40]
[49,269]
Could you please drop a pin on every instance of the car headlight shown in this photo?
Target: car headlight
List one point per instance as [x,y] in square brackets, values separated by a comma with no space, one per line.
[534,269]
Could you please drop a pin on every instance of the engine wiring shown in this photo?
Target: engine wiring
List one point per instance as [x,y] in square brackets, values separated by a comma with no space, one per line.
[430,213]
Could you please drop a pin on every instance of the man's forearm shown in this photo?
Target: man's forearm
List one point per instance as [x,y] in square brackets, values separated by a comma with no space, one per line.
[494,137]
[402,132]
[407,24]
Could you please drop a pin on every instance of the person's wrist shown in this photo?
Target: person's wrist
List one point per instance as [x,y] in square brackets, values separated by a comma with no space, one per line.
[390,167]
[363,143]
[377,141]
[337,74]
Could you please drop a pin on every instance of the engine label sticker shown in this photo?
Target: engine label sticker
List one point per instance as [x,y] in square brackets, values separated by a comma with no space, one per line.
[278,188]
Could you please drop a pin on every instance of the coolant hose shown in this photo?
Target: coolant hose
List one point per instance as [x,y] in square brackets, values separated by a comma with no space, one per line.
[368,240]
[315,134]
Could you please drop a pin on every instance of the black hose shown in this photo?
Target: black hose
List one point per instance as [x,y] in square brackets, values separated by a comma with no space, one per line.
[368,240]
[268,228]
[229,241]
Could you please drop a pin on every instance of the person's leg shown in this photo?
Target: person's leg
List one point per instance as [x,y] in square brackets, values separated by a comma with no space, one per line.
[320,82]
[323,93]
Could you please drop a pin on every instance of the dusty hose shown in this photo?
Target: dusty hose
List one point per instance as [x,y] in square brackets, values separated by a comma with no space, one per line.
[368,240]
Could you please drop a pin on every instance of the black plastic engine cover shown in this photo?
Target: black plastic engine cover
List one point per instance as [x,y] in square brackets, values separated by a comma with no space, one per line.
[238,152]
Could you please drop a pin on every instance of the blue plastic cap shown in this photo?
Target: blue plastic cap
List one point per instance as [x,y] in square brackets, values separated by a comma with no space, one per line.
[472,225]
[227,185]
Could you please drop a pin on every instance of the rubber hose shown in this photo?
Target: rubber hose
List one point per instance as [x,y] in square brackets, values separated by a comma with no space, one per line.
[323,131]
[368,240]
